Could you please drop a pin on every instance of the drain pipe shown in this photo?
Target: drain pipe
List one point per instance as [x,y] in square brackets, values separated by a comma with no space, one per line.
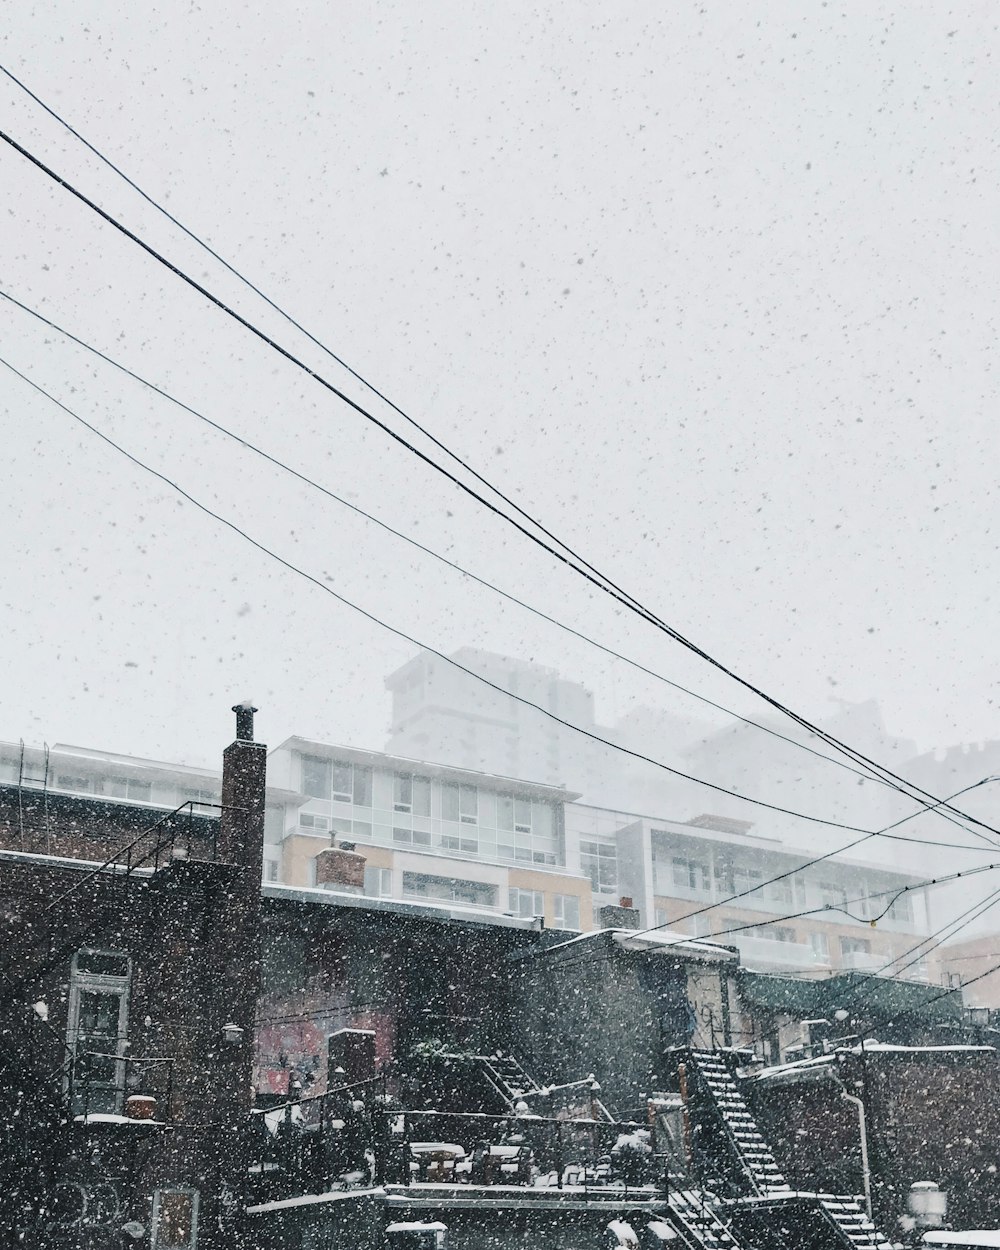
[866,1176]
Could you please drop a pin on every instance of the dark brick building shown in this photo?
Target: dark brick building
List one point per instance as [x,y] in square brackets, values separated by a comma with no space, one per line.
[128,987]
[615,1002]
[930,1114]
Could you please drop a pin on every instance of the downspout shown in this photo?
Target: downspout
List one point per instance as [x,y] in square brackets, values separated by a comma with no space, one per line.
[866,1176]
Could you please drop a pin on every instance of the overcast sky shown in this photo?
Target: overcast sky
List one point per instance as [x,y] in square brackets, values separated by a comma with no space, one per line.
[710,288]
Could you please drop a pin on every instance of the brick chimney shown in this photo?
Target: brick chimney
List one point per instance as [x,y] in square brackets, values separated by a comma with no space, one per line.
[234,960]
[241,822]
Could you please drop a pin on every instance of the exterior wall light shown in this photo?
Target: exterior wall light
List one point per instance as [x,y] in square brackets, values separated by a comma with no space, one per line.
[232,1034]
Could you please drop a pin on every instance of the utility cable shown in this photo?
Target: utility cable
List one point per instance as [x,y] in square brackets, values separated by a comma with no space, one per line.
[293,568]
[894,896]
[577,563]
[819,859]
[413,542]
[944,993]
[923,948]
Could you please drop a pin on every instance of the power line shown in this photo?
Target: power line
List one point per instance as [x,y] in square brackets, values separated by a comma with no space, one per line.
[951,990]
[819,859]
[593,575]
[409,638]
[413,542]
[732,898]
[895,895]
[284,314]
[930,943]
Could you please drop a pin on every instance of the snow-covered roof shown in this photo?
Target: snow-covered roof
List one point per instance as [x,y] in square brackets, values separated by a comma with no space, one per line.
[416,1227]
[914,1050]
[79,865]
[310,1200]
[663,941]
[972,1237]
[659,941]
[804,1066]
[426,907]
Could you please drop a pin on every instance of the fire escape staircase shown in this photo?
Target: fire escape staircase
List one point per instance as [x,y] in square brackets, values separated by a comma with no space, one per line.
[699,1223]
[715,1096]
[719,1098]
[849,1216]
[507,1078]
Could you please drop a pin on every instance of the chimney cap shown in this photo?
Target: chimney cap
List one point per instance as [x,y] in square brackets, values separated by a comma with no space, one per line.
[244,720]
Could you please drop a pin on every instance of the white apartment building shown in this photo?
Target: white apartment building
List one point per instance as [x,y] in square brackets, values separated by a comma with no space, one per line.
[814,919]
[430,832]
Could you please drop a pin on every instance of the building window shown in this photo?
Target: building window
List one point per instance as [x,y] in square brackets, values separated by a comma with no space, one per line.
[175,1219]
[411,794]
[402,792]
[460,803]
[129,788]
[780,892]
[514,814]
[421,796]
[314,824]
[691,874]
[97,1030]
[411,837]
[350,783]
[270,870]
[566,910]
[820,944]
[449,889]
[775,933]
[527,903]
[855,946]
[901,909]
[467,846]
[599,861]
[738,879]
[315,777]
[832,895]
[660,917]
[378,882]
[76,784]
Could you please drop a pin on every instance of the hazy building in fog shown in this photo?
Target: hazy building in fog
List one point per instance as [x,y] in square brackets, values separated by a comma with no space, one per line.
[750,761]
[440,713]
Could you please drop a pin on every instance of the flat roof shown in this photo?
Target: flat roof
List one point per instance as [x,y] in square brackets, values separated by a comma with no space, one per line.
[428,909]
[448,772]
[664,942]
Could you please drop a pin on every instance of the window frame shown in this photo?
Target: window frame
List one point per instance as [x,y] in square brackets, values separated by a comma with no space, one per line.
[518,894]
[154,1237]
[559,902]
[111,985]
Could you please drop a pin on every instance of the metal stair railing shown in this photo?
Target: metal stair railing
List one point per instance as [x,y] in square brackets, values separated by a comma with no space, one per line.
[721,1121]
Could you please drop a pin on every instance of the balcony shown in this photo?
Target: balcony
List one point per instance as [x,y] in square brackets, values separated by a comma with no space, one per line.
[352,1138]
[117,1090]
